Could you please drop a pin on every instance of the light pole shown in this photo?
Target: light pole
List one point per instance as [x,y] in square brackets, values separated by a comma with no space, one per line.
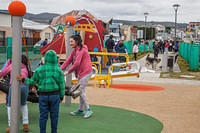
[176,6]
[145,34]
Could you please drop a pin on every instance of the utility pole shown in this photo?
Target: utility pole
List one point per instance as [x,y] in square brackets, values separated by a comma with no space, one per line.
[176,6]
[145,23]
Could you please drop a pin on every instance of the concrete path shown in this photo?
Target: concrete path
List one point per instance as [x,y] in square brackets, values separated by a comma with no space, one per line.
[150,77]
[142,62]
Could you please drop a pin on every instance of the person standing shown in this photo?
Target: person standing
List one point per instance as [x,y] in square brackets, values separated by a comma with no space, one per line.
[166,47]
[122,49]
[50,80]
[81,65]
[156,49]
[161,46]
[44,42]
[24,91]
[109,45]
[135,50]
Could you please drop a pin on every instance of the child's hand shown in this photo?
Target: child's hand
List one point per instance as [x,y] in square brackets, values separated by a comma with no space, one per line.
[19,77]
[66,73]
[61,99]
[34,89]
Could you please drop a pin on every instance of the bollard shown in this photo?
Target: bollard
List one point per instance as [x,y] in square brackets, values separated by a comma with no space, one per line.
[17,10]
[70,21]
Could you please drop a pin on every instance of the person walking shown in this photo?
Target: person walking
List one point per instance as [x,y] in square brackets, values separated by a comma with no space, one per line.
[109,45]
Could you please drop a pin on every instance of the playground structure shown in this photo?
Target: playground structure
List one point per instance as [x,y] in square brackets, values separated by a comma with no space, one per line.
[59,46]
[90,28]
[108,78]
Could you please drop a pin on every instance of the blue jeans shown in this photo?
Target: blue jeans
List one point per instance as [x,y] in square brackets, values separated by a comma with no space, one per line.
[49,103]
[24,94]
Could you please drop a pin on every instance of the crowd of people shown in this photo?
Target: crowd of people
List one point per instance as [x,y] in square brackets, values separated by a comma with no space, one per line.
[119,47]
[165,46]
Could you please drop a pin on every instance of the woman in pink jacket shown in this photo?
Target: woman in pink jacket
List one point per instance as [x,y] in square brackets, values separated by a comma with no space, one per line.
[81,65]
[135,50]
[24,91]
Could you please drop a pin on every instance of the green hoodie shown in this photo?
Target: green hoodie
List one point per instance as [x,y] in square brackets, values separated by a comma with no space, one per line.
[49,77]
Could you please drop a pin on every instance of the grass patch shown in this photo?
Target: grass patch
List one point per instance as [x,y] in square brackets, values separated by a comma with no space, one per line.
[185,72]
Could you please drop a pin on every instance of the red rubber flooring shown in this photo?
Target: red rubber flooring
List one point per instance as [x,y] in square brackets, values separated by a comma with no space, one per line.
[136,87]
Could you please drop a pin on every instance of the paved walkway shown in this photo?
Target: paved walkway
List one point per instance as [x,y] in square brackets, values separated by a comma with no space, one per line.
[150,77]
[142,62]
[155,78]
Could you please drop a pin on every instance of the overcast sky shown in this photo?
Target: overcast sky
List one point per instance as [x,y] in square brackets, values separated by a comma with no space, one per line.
[159,10]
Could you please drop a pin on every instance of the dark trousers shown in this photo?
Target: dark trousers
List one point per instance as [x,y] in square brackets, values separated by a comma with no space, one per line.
[110,58]
[156,53]
[49,104]
[135,56]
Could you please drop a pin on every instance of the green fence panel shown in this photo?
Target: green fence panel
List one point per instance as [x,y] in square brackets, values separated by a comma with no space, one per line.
[188,52]
[185,51]
[181,49]
[151,46]
[194,58]
[9,47]
[141,48]
[129,46]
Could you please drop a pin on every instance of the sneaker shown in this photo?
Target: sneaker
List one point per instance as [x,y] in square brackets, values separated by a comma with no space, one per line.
[78,112]
[88,114]
[25,128]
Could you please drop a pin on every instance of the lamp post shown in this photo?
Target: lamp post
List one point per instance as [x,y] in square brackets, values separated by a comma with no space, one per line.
[176,6]
[145,34]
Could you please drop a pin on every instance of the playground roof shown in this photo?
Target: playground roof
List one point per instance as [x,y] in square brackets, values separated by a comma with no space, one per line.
[28,24]
[76,13]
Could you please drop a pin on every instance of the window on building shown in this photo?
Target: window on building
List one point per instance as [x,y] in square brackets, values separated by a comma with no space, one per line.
[2,38]
[47,35]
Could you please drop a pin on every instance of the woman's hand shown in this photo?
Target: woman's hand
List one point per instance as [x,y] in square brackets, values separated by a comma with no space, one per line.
[66,73]
[19,77]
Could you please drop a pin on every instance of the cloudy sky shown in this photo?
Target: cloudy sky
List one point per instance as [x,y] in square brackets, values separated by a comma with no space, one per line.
[159,10]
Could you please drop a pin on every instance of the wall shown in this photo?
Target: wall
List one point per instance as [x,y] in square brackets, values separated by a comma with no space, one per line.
[47,30]
[5,20]
[8,31]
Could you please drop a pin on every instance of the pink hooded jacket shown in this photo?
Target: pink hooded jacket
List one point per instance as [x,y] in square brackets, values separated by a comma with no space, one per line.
[8,69]
[81,62]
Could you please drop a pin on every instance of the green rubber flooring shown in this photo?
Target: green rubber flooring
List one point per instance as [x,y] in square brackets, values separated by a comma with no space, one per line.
[104,120]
